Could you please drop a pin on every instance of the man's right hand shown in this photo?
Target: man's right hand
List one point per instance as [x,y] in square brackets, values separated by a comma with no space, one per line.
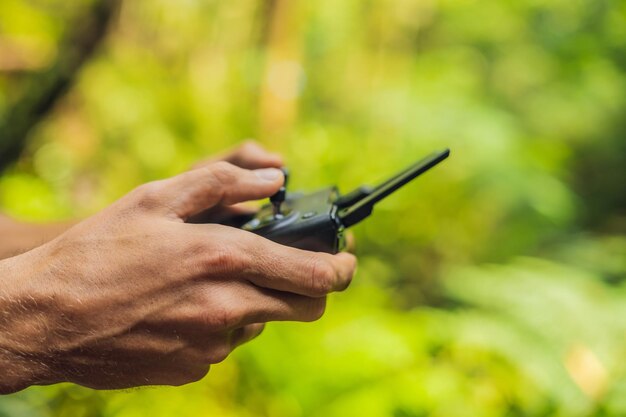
[136,296]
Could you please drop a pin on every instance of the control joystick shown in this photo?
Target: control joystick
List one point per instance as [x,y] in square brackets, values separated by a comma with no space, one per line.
[280,196]
[277,202]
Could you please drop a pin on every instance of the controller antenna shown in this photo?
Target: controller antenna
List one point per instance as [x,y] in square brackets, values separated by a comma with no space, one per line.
[278,198]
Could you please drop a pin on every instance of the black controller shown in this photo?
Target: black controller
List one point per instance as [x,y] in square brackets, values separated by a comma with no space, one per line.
[317,221]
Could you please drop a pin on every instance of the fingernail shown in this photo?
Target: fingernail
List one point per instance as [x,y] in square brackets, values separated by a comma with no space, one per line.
[268,174]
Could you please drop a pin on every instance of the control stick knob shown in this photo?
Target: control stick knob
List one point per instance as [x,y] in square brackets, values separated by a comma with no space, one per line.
[278,198]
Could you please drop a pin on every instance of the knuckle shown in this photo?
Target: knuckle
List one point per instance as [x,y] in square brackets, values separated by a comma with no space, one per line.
[222,261]
[192,375]
[220,311]
[257,330]
[223,173]
[346,282]
[196,252]
[147,196]
[218,354]
[316,309]
[248,146]
[219,318]
[347,279]
[322,277]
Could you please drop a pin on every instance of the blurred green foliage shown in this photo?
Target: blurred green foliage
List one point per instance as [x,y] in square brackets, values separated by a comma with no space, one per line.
[493,286]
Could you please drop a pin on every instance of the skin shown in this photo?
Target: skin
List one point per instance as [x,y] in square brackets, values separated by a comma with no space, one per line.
[136,295]
[19,237]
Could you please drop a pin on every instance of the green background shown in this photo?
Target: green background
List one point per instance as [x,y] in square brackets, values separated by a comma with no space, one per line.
[492,286]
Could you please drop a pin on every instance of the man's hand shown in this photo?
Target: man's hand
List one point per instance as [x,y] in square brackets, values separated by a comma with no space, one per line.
[136,296]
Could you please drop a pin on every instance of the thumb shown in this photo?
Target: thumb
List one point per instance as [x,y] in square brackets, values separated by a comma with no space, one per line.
[194,191]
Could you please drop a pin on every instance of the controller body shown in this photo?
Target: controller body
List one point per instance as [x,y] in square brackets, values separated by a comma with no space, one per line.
[307,221]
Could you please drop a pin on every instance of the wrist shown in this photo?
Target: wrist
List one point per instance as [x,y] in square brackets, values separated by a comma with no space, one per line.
[26,236]
[24,326]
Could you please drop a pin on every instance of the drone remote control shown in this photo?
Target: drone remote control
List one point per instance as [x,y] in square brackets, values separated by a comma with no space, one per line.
[317,221]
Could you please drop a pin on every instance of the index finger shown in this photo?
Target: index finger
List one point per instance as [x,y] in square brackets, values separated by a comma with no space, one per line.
[283,268]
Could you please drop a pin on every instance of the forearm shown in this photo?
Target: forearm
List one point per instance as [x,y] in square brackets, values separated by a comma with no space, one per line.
[18,237]
[22,326]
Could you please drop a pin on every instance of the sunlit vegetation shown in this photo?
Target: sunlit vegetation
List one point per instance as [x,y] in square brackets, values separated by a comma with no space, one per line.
[492,286]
